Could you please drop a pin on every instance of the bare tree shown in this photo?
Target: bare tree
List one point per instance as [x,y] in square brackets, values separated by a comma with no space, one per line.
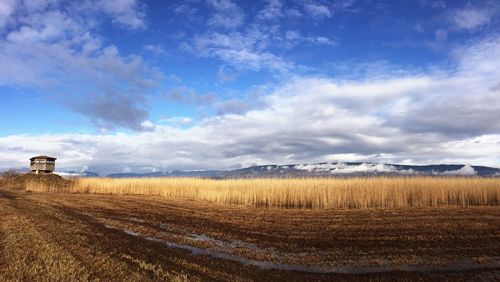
[11,173]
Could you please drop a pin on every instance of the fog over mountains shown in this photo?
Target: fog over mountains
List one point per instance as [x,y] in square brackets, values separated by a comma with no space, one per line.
[328,169]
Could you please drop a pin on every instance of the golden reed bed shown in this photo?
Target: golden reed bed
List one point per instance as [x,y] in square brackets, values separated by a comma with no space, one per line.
[318,193]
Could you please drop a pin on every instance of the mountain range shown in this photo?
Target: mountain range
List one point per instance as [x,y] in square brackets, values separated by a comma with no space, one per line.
[327,169]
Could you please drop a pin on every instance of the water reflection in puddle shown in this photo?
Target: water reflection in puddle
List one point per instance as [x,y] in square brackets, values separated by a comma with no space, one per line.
[224,244]
[466,264]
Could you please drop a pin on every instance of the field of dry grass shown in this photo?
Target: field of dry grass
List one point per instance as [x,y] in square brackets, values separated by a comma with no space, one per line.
[317,193]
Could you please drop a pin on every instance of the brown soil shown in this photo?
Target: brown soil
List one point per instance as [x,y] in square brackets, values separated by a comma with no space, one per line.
[54,236]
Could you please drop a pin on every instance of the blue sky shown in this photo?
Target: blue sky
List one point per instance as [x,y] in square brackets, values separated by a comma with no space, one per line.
[128,85]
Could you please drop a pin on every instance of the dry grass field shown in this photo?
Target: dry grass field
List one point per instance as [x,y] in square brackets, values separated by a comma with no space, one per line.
[316,193]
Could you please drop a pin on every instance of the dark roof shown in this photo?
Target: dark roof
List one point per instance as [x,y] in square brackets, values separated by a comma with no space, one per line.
[44,158]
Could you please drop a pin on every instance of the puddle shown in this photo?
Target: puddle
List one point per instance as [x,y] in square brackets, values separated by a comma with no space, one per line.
[225,244]
[216,242]
[268,265]
[131,233]
[466,264]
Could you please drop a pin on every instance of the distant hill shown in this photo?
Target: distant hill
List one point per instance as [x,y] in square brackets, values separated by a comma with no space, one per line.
[328,169]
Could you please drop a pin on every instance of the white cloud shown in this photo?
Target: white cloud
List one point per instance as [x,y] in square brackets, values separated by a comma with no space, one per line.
[147,125]
[38,5]
[293,38]
[317,10]
[253,48]
[344,4]
[156,49]
[465,170]
[225,76]
[272,11]
[6,9]
[227,14]
[470,18]
[53,50]
[187,95]
[321,40]
[258,44]
[241,51]
[435,4]
[124,12]
[293,13]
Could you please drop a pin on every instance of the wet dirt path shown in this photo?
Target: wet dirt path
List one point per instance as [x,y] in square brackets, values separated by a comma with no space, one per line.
[145,238]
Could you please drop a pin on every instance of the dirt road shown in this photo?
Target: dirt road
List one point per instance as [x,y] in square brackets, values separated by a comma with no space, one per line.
[89,237]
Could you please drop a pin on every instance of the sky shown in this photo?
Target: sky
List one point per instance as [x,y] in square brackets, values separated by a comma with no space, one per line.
[144,86]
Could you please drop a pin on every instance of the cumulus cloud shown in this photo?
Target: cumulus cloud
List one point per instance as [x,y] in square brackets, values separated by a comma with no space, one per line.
[6,9]
[470,18]
[52,49]
[156,49]
[292,38]
[187,95]
[227,14]
[465,170]
[233,106]
[254,43]
[225,76]
[272,11]
[472,90]
[435,4]
[124,12]
[293,13]
[239,50]
[317,10]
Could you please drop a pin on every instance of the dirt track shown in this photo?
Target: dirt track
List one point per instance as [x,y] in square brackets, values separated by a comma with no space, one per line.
[89,237]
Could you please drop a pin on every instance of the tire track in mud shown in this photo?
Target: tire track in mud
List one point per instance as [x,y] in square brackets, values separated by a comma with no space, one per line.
[80,240]
[27,254]
[123,246]
[104,254]
[211,269]
[3,219]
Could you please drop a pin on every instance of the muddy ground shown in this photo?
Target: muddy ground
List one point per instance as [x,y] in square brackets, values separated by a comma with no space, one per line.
[50,236]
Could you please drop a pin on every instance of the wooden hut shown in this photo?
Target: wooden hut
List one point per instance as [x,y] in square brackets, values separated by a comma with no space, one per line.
[42,164]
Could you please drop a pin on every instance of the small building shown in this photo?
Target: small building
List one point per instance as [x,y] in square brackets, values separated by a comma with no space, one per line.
[42,164]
